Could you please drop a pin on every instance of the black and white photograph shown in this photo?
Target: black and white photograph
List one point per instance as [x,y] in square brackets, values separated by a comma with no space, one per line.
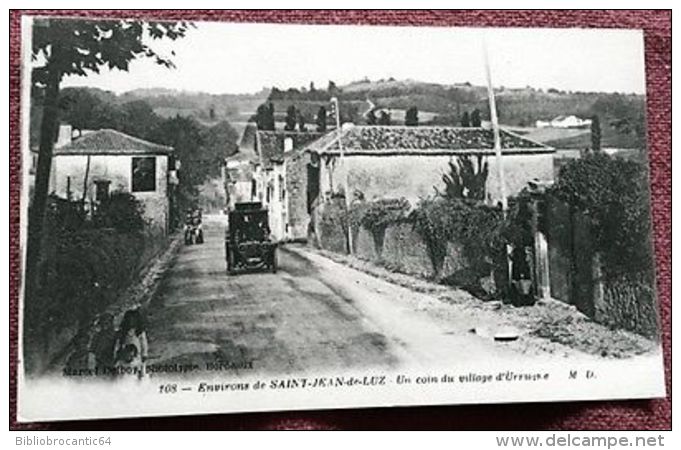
[233,217]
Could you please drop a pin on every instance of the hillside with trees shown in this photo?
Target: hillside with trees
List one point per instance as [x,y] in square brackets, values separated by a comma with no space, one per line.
[621,116]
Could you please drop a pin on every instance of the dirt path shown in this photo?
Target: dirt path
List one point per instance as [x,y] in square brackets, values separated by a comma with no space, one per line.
[314,314]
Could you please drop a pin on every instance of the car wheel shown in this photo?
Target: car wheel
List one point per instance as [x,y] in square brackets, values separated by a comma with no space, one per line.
[230,264]
[274,263]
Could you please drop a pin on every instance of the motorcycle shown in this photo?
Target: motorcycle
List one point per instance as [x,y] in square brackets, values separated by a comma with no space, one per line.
[193,232]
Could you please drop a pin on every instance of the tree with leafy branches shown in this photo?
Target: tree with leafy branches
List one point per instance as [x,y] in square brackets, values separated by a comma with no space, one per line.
[271,121]
[302,125]
[321,119]
[595,134]
[79,108]
[412,117]
[63,47]
[261,117]
[138,119]
[264,117]
[291,118]
[476,119]
[371,118]
[465,120]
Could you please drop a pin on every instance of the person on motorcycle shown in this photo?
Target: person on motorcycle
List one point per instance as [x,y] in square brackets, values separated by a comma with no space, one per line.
[189,227]
[193,230]
[197,225]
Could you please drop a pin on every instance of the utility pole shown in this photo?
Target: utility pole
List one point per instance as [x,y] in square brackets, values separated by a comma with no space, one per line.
[336,107]
[497,153]
[495,129]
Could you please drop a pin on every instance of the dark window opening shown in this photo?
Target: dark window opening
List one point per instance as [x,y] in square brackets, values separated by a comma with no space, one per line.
[144,174]
[282,189]
[102,190]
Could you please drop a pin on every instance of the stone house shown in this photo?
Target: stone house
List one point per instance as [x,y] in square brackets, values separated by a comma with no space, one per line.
[116,162]
[409,162]
[268,176]
[292,172]
[570,121]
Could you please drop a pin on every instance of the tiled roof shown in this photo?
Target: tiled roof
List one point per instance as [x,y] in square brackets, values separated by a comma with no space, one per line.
[271,144]
[108,142]
[424,139]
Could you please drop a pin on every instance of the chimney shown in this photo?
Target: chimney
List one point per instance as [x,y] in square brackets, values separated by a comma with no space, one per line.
[288,144]
[64,136]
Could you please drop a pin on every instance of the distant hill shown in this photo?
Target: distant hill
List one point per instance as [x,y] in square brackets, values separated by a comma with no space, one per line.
[201,105]
[516,107]
[622,115]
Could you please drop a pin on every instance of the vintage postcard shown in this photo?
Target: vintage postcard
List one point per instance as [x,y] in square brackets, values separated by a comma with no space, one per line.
[222,217]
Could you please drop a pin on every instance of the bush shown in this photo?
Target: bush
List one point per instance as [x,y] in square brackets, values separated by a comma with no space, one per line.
[122,211]
[476,227]
[83,274]
[85,265]
[376,216]
[629,303]
[613,194]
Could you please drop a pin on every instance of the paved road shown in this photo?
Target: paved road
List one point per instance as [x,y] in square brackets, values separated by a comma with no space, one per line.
[313,314]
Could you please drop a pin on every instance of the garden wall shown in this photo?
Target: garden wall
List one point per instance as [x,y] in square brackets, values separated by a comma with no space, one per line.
[630,304]
[402,248]
[579,277]
[405,251]
[330,227]
[365,246]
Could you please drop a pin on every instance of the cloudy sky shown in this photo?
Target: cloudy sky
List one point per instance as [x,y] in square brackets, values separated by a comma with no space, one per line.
[242,58]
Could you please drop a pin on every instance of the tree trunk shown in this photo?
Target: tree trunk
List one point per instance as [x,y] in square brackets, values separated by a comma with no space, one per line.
[85,180]
[48,128]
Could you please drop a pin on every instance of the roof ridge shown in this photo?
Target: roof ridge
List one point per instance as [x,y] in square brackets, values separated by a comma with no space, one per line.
[460,138]
[410,127]
[290,132]
[128,136]
[117,139]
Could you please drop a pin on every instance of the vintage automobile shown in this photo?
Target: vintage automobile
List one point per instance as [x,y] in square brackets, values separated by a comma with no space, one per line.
[248,245]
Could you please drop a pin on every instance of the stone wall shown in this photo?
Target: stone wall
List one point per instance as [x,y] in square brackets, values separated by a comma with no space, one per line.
[405,251]
[330,227]
[365,245]
[402,250]
[630,304]
[454,261]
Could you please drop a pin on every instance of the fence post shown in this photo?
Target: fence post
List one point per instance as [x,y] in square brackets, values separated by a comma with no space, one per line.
[598,286]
